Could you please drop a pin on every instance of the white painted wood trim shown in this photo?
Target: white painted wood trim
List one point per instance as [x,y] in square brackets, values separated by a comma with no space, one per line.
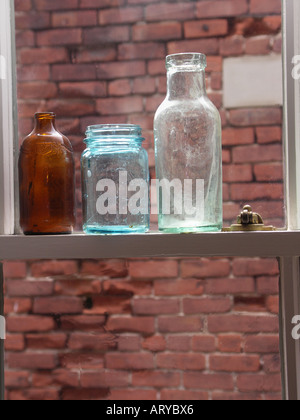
[152,245]
[7,118]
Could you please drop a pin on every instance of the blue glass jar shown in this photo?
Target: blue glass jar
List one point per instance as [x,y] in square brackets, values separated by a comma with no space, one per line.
[115,180]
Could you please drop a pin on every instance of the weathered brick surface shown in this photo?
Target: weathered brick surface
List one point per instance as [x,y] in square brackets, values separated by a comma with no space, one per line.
[145,329]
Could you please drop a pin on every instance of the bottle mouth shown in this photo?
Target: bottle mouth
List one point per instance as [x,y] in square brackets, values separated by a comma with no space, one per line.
[44,115]
[114,132]
[186,61]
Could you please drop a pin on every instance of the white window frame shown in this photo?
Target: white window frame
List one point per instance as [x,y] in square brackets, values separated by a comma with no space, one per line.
[285,244]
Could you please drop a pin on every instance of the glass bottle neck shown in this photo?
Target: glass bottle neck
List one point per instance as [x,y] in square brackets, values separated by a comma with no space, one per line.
[44,123]
[186,84]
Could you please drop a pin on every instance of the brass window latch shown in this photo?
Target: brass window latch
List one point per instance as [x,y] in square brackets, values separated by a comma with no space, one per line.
[249,221]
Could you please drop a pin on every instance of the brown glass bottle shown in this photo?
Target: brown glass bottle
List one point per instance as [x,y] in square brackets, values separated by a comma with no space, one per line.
[47,180]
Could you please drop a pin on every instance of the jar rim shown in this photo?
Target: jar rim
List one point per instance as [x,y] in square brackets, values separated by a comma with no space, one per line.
[120,132]
[185,61]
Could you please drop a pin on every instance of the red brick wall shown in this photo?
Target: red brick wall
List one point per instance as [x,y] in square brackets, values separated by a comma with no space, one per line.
[170,329]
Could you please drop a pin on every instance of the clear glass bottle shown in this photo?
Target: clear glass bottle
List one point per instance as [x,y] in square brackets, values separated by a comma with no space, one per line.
[46,180]
[188,148]
[115,180]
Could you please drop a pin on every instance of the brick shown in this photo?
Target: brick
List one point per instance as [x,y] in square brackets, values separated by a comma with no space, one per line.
[53,268]
[205,28]
[82,360]
[156,379]
[267,285]
[174,324]
[237,363]
[76,287]
[179,343]
[272,304]
[14,342]
[31,360]
[203,343]
[34,395]
[128,288]
[249,304]
[106,379]
[74,19]
[269,134]
[257,153]
[57,377]
[183,395]
[153,102]
[29,288]
[25,39]
[256,191]
[87,341]
[237,136]
[129,343]
[117,106]
[181,361]
[55,4]
[69,107]
[232,46]
[59,37]
[134,361]
[57,305]
[16,379]
[259,383]
[262,344]
[153,269]
[73,72]
[120,87]
[22,5]
[35,90]
[242,323]
[91,55]
[33,73]
[254,267]
[143,50]
[209,46]
[83,322]
[154,344]
[109,34]
[46,341]
[230,343]
[99,4]
[197,380]
[29,324]
[105,268]
[258,46]
[109,305]
[14,269]
[32,20]
[17,305]
[143,325]
[237,173]
[272,363]
[231,396]
[71,394]
[206,305]
[216,81]
[269,172]
[132,394]
[230,285]
[165,11]
[224,8]
[266,7]
[155,306]
[255,116]
[144,85]
[205,267]
[121,15]
[45,55]
[156,31]
[124,69]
